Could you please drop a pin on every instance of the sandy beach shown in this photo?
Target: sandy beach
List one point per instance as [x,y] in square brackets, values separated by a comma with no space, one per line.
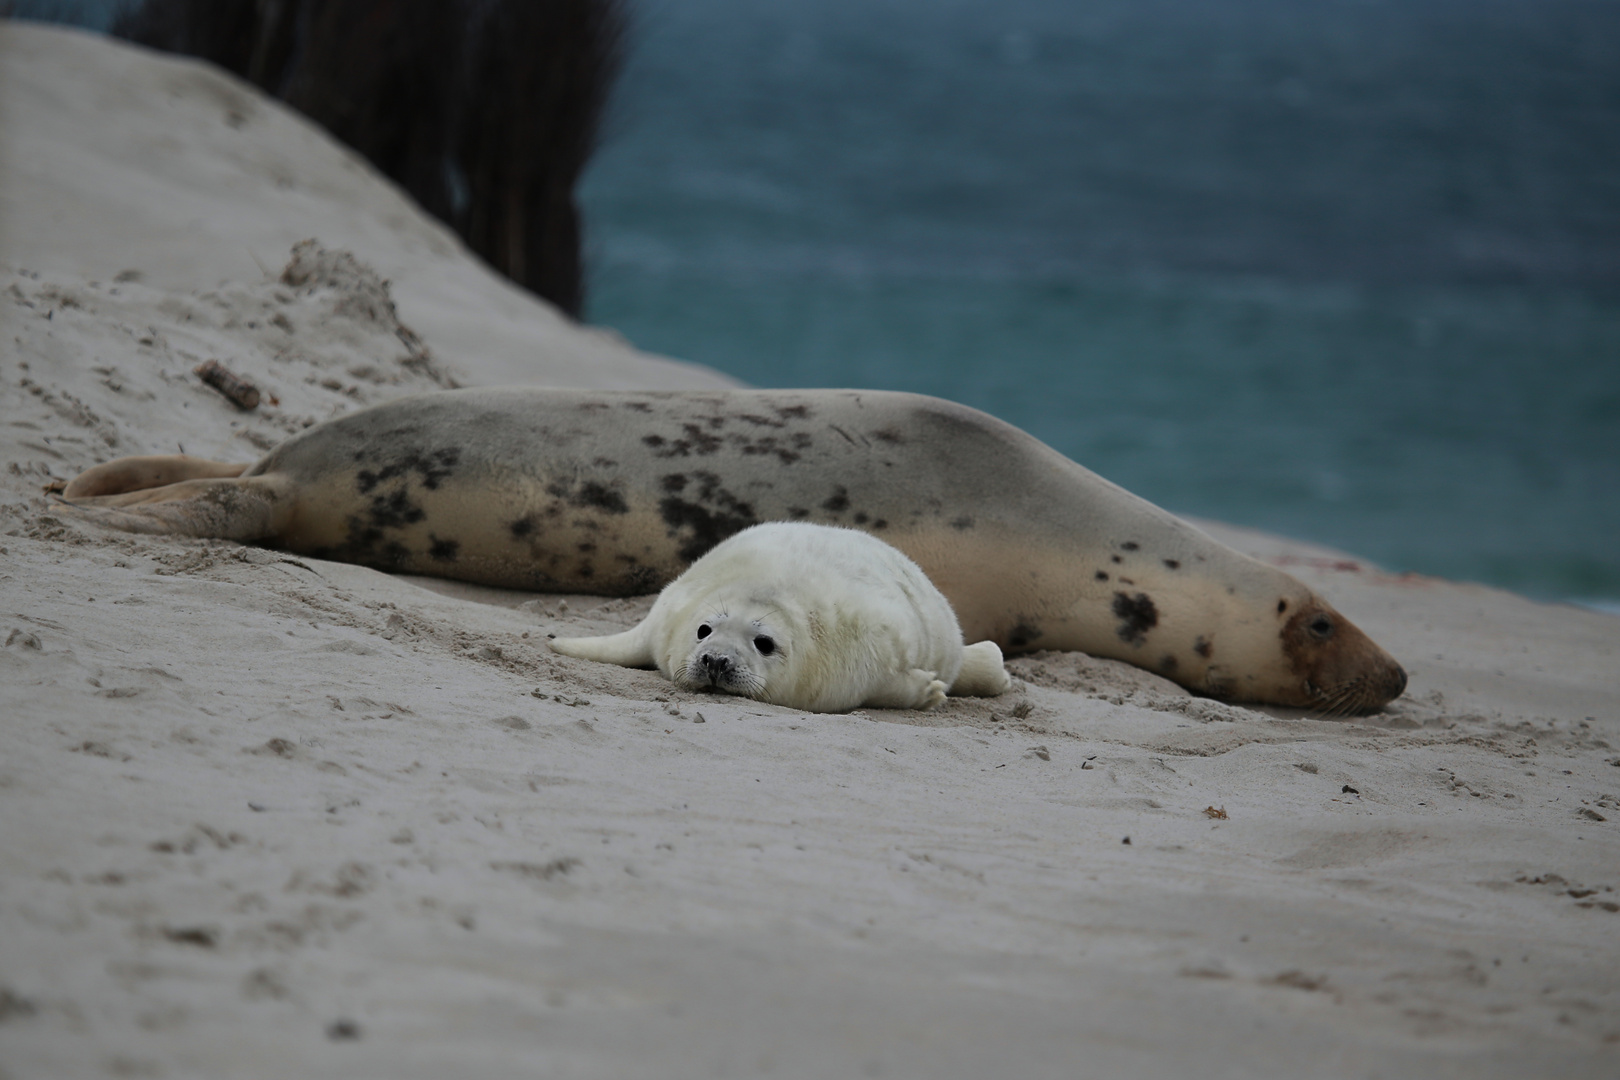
[274,816]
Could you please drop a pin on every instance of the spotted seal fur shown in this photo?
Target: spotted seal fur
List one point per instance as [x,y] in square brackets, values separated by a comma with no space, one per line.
[618,492]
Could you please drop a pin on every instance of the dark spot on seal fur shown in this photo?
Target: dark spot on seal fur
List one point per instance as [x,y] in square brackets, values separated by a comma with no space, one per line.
[394,511]
[587,547]
[1167,664]
[861,518]
[1137,616]
[962,523]
[1203,648]
[708,528]
[771,445]
[641,580]
[601,497]
[674,482]
[1282,606]
[586,570]
[1130,545]
[798,513]
[590,494]
[838,503]
[1116,558]
[695,441]
[880,523]
[430,468]
[1022,634]
[798,412]
[443,550]
[638,406]
[522,527]
[1102,575]
[1172,564]
[724,516]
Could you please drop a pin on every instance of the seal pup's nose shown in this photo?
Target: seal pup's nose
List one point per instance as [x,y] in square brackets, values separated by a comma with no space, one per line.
[715,667]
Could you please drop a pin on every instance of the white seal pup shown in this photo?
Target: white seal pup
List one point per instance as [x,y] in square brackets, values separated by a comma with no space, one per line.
[812,617]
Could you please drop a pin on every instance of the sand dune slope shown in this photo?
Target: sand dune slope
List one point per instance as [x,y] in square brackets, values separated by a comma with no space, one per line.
[266,816]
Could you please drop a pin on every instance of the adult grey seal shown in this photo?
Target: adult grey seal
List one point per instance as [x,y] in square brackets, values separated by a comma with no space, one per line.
[812,617]
[618,492]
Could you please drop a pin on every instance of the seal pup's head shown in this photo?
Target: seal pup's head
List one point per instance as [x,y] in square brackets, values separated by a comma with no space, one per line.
[736,651]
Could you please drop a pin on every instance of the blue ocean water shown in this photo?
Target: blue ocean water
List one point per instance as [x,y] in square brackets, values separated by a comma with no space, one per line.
[1346,270]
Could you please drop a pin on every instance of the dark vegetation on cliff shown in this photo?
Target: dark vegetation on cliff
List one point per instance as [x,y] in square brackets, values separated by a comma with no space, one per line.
[486,111]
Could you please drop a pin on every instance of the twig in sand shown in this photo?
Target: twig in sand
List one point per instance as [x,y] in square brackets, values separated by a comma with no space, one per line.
[243,394]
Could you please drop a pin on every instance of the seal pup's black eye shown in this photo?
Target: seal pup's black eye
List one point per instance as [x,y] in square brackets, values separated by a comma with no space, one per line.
[1321,626]
[765,645]
[703,631]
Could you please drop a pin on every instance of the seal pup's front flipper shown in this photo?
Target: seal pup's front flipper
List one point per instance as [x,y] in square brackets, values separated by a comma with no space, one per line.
[913,689]
[982,674]
[245,508]
[633,648]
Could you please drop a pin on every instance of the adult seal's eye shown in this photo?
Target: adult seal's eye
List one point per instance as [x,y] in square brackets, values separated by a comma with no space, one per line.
[703,631]
[765,645]
[1321,627]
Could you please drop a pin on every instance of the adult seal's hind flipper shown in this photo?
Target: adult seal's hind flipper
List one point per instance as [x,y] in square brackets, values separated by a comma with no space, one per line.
[616,493]
[179,495]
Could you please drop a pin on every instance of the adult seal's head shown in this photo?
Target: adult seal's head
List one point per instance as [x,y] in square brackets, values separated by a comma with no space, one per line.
[1333,667]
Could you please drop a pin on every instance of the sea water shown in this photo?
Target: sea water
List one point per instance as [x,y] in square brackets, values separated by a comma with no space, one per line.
[1347,270]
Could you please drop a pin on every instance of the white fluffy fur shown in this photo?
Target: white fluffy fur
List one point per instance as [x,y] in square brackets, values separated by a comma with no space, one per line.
[843,619]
